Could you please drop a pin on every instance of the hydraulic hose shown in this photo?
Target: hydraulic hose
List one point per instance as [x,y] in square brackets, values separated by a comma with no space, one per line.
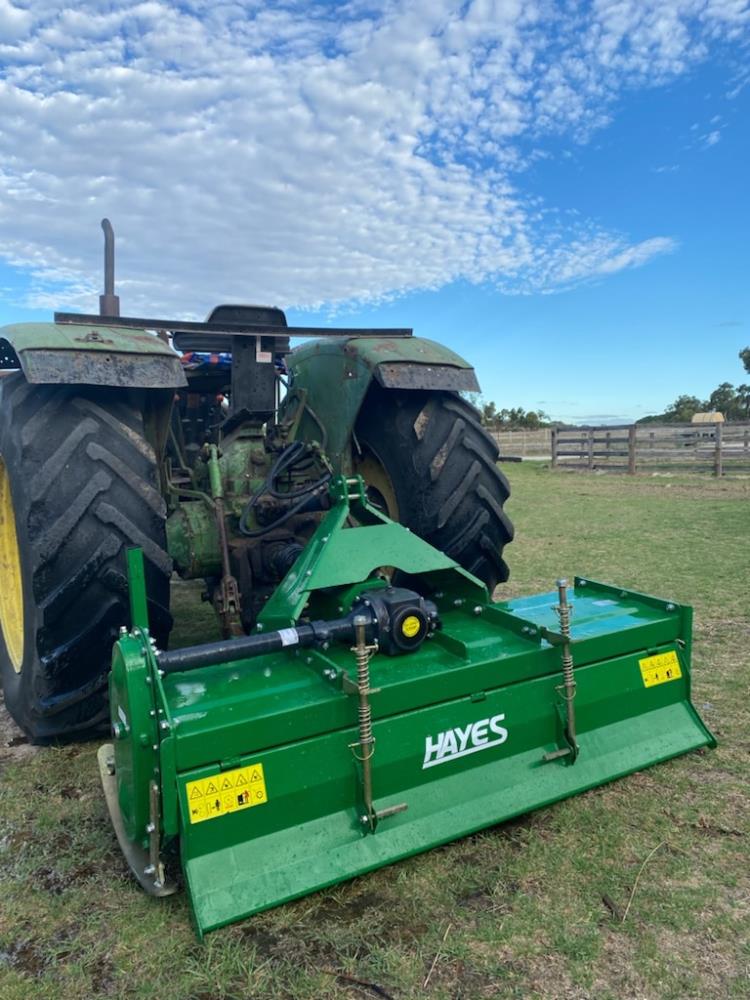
[291,456]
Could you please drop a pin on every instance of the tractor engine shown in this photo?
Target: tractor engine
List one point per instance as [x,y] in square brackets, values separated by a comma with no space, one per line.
[261,498]
[243,495]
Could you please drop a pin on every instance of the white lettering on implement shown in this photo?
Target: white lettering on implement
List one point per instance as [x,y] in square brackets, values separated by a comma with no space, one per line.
[461,741]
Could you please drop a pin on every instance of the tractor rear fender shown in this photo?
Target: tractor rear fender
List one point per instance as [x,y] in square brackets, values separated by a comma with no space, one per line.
[330,379]
[73,354]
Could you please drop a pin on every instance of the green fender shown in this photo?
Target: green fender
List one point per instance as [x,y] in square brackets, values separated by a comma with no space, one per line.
[330,379]
[66,353]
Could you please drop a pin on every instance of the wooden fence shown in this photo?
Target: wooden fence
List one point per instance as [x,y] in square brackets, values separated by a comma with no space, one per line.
[525,444]
[635,448]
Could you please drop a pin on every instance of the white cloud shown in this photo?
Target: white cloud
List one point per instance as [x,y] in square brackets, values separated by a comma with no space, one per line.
[313,153]
[634,256]
[14,22]
[555,264]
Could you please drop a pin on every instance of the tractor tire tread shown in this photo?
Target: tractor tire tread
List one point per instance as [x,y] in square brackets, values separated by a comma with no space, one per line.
[443,466]
[85,488]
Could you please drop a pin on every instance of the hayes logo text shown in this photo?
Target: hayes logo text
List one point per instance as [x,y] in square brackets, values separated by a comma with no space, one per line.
[462,741]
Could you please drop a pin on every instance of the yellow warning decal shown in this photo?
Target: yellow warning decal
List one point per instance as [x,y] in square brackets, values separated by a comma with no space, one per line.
[226,792]
[660,669]
[411,626]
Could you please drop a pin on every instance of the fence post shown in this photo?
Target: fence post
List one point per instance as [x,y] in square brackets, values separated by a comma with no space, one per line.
[554,447]
[591,447]
[631,449]
[717,452]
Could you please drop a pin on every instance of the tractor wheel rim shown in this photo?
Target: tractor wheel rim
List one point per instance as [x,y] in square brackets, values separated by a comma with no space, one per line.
[380,489]
[11,591]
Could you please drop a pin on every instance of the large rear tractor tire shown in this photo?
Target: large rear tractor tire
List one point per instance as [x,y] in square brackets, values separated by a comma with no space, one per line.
[78,485]
[429,463]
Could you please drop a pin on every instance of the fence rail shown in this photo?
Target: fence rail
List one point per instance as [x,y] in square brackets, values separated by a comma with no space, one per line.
[631,448]
[525,444]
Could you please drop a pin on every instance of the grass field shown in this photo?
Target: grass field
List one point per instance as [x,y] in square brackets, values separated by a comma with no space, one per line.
[533,908]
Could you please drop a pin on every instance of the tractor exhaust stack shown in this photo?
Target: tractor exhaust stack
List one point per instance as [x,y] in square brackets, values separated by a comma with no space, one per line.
[109,303]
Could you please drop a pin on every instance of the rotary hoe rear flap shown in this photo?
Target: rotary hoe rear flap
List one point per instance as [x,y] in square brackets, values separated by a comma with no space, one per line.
[275,789]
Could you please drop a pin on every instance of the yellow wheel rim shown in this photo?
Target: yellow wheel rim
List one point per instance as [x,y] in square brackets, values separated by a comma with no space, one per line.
[11,581]
[380,489]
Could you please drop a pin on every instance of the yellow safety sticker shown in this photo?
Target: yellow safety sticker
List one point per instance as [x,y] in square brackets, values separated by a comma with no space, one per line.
[226,792]
[411,626]
[660,669]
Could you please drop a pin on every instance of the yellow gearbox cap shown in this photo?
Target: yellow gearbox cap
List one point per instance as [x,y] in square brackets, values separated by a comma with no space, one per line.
[410,626]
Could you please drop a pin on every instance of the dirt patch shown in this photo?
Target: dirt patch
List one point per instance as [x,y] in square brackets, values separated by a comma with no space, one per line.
[14,744]
[102,978]
[464,981]
[497,898]
[56,882]
[24,957]
[213,996]
[519,831]
[274,946]
[336,908]
[69,792]
[266,943]
[36,956]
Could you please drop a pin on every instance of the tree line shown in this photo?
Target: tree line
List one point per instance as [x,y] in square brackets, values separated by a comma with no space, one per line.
[513,418]
[732,401]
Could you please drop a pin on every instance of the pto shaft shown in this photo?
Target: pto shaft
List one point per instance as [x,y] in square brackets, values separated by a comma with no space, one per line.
[228,650]
[399,620]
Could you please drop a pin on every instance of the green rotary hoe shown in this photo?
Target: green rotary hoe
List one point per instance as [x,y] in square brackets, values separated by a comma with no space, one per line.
[369,698]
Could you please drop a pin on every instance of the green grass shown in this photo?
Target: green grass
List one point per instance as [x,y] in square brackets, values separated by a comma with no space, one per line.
[532,908]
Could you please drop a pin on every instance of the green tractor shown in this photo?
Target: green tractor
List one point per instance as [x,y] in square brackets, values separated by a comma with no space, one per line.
[344,508]
[210,446]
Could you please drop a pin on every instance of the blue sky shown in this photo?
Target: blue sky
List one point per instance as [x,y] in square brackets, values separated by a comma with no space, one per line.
[557,191]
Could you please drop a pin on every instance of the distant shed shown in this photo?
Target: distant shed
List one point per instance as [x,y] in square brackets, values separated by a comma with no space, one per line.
[709,417]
